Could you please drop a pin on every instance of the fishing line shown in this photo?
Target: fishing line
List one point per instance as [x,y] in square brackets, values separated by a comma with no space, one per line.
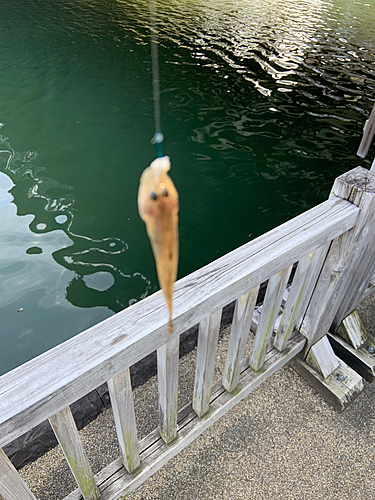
[158,135]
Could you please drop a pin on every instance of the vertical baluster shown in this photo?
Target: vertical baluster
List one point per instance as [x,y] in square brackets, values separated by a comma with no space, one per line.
[243,314]
[270,310]
[206,354]
[66,432]
[120,390]
[304,281]
[168,388]
[12,487]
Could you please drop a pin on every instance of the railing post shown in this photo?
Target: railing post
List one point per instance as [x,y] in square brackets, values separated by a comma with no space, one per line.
[12,486]
[350,262]
[345,275]
[361,266]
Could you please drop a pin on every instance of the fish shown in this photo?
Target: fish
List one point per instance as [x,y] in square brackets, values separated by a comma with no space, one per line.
[158,207]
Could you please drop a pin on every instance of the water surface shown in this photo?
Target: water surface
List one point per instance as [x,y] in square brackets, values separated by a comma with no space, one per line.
[263,105]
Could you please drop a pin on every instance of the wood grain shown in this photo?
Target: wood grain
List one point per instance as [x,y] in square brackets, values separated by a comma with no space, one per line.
[352,330]
[270,311]
[322,358]
[242,318]
[358,187]
[66,432]
[360,359]
[12,487]
[350,261]
[304,281]
[120,390]
[206,356]
[168,388]
[340,393]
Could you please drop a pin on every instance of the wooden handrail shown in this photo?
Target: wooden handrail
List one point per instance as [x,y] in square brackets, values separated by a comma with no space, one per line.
[49,383]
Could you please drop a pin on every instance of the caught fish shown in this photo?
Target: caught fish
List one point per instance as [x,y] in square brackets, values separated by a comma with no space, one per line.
[158,208]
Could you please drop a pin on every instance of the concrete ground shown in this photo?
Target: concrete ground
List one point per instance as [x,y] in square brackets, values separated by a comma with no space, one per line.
[281,442]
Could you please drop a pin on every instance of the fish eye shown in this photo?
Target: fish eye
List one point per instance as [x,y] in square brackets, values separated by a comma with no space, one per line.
[153,196]
[164,192]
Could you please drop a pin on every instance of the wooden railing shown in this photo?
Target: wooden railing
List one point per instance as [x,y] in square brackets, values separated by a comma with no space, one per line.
[334,246]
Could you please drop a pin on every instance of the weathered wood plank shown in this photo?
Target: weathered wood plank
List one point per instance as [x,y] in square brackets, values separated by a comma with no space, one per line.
[66,432]
[349,265]
[115,483]
[12,487]
[98,354]
[340,388]
[270,311]
[120,390]
[206,355]
[322,358]
[243,314]
[304,281]
[369,290]
[368,135]
[362,359]
[358,187]
[258,312]
[352,330]
[168,356]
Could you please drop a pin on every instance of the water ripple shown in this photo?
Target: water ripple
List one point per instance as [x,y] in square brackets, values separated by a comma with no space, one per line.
[263,104]
[84,255]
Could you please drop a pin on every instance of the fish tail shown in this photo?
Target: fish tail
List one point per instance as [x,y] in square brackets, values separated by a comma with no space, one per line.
[170,327]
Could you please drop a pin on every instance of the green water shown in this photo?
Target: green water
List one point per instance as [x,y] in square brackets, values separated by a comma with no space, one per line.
[263,105]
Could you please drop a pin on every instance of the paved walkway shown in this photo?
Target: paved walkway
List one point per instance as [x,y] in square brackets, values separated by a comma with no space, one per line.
[281,442]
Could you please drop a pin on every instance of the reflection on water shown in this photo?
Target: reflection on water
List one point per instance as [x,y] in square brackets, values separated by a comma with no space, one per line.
[78,253]
[44,265]
[263,105]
